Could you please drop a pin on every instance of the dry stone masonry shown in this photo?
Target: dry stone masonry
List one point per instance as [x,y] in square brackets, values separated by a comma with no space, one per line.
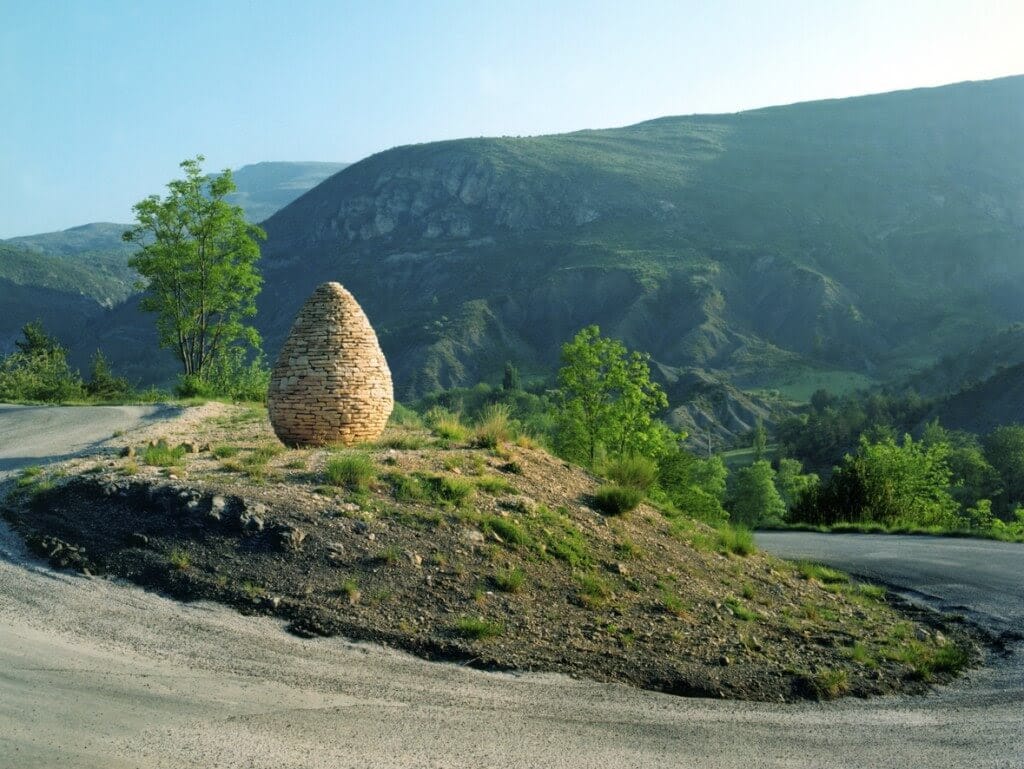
[331,382]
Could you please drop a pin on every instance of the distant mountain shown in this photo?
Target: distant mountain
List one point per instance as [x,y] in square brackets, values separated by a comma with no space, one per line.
[265,188]
[86,268]
[998,400]
[868,236]
[858,239]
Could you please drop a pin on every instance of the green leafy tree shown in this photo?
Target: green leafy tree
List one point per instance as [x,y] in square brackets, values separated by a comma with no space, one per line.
[102,382]
[198,257]
[888,483]
[510,381]
[754,499]
[1004,450]
[792,482]
[694,486]
[38,370]
[759,440]
[607,399]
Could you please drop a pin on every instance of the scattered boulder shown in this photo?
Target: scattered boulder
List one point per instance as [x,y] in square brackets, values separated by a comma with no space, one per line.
[135,539]
[288,538]
[127,451]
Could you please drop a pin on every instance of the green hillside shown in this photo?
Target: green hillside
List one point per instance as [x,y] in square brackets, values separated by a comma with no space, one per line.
[860,237]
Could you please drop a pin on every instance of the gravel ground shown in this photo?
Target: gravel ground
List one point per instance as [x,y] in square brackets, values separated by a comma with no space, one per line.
[94,673]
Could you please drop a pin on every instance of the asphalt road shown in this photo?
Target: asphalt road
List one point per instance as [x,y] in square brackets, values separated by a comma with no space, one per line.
[95,673]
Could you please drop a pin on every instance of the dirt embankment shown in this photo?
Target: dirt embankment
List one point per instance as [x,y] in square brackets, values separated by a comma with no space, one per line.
[493,557]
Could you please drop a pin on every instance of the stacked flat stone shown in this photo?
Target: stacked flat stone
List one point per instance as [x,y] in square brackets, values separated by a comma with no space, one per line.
[331,383]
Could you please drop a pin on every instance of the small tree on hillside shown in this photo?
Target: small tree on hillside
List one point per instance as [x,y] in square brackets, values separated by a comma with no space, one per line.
[755,500]
[198,257]
[607,399]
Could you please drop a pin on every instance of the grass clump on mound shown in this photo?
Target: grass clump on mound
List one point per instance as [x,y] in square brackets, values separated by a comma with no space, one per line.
[447,491]
[494,427]
[613,499]
[445,424]
[161,454]
[477,628]
[355,471]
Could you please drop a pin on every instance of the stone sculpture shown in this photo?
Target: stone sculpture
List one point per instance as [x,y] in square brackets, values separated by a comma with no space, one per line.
[331,383]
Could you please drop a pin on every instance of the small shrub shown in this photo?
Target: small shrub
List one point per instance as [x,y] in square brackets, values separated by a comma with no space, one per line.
[509,580]
[477,628]
[162,455]
[494,426]
[638,473]
[131,467]
[354,471]
[403,416]
[612,499]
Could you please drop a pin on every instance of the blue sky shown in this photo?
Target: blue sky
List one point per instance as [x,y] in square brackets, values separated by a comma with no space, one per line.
[102,99]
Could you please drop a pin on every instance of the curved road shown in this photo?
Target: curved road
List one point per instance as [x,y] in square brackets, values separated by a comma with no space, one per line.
[99,674]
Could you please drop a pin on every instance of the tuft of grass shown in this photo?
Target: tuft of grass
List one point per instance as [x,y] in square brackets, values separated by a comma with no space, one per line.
[494,426]
[510,532]
[349,588]
[672,603]
[445,424]
[477,628]
[447,491]
[612,499]
[179,559]
[260,455]
[594,591]
[871,592]
[925,660]
[354,471]
[627,549]
[830,683]
[162,455]
[509,580]
[403,442]
[405,488]
[29,476]
[492,484]
[131,467]
[225,451]
[860,654]
[638,473]
[741,611]
[819,573]
[736,540]
[390,555]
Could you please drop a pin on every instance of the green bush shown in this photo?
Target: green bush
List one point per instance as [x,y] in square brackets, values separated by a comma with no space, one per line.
[354,471]
[102,383]
[612,499]
[633,472]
